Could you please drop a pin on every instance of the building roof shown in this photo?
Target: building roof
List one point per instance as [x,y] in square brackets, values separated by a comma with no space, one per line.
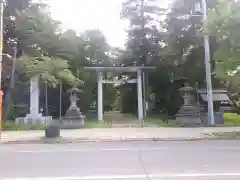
[218,95]
[204,91]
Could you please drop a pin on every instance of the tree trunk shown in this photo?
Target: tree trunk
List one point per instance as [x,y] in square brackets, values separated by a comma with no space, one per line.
[8,99]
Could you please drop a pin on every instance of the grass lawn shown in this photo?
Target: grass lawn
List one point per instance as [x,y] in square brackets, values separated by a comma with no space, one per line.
[93,123]
[162,121]
[11,126]
[227,134]
[231,119]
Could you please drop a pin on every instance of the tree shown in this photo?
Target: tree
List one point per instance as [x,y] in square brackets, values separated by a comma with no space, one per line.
[89,48]
[9,35]
[223,24]
[96,47]
[143,32]
[55,56]
[37,31]
[175,48]
[185,43]
[11,10]
[38,40]
[50,70]
[143,44]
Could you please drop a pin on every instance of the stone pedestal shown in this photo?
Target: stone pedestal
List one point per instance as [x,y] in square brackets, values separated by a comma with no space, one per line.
[218,118]
[188,114]
[73,118]
[34,117]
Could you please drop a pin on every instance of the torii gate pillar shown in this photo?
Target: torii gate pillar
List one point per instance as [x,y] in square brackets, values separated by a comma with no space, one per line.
[100,97]
[139,95]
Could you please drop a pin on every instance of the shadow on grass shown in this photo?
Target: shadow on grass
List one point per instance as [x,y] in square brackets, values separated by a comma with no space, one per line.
[11,126]
[94,123]
[161,120]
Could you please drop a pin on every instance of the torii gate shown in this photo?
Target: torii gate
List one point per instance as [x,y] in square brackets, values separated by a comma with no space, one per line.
[101,81]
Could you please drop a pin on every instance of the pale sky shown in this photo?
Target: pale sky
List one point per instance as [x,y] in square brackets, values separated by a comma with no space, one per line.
[78,15]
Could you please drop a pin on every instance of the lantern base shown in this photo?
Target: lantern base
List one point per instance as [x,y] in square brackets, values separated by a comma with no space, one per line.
[188,116]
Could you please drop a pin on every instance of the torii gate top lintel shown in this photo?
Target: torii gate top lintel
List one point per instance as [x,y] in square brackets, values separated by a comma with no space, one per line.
[119,68]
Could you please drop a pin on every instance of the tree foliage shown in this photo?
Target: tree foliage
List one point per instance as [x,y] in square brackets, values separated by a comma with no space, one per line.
[223,24]
[174,45]
[51,70]
[144,32]
[170,39]
[185,39]
[46,51]
[39,38]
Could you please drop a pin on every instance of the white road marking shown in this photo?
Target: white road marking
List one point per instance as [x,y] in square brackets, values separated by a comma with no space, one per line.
[84,150]
[140,176]
[59,150]
[115,149]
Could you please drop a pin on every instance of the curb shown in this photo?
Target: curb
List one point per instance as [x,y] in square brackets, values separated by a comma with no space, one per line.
[66,141]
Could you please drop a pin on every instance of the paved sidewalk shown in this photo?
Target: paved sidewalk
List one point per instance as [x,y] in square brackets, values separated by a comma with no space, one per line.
[117,134]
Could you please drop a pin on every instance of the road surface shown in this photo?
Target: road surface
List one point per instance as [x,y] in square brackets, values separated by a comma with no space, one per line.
[189,160]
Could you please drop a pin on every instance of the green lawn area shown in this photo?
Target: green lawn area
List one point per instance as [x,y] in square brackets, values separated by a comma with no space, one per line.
[10,126]
[93,123]
[161,120]
[228,134]
[230,119]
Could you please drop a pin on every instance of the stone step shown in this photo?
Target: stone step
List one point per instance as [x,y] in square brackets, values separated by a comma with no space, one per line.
[122,120]
[128,125]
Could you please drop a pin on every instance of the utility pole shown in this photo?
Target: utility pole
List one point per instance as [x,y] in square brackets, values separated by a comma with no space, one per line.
[208,66]
[1,39]
[143,56]
[1,55]
[60,99]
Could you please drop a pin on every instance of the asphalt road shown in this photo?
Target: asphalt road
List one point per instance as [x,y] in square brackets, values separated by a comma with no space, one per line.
[192,160]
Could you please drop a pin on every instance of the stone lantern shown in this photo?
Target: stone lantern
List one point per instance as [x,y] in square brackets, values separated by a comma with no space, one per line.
[186,93]
[73,118]
[188,114]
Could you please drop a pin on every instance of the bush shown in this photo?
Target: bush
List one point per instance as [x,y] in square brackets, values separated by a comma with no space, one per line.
[9,126]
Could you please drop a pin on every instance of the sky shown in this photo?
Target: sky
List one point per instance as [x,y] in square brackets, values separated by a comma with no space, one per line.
[87,14]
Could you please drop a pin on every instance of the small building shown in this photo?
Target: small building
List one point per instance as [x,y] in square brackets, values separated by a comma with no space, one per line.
[221,104]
